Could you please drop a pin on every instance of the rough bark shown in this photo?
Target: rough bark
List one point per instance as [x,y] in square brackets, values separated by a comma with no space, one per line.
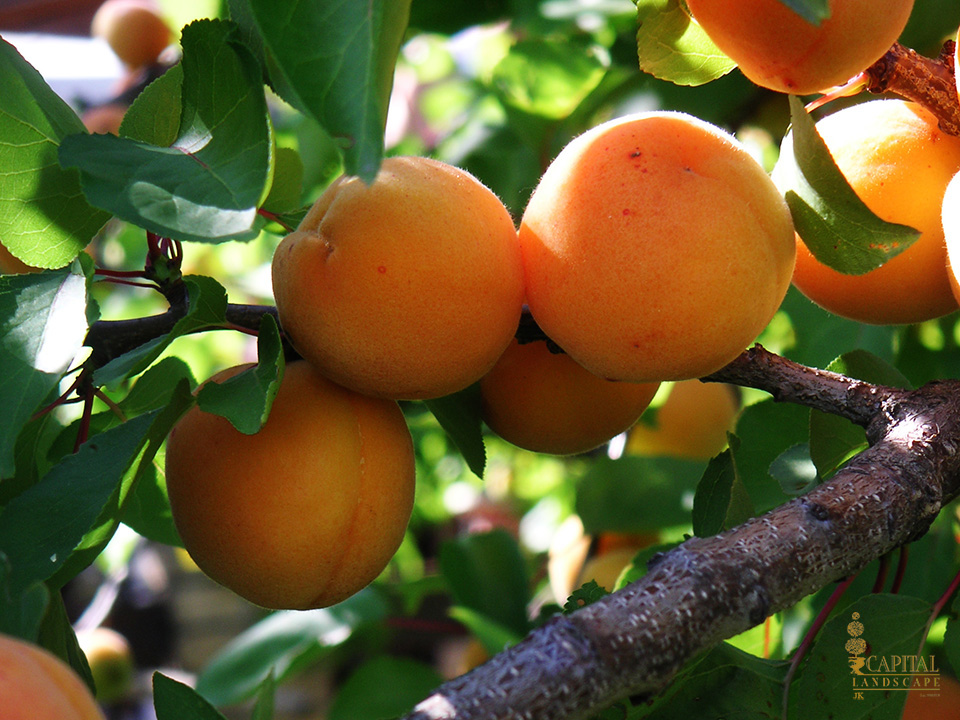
[632,642]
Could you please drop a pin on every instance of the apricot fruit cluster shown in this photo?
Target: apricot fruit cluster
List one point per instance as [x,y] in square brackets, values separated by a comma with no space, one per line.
[777,49]
[37,685]
[303,513]
[899,162]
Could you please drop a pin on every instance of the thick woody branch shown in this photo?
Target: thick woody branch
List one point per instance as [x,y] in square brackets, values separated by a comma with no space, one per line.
[631,643]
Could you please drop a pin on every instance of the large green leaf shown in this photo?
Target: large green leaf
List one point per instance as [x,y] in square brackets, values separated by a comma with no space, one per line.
[283,643]
[206,185]
[383,688]
[68,499]
[672,46]
[835,224]
[175,700]
[42,325]
[334,61]
[44,218]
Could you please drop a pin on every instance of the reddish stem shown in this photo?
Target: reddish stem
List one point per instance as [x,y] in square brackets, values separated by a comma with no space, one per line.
[273,217]
[882,573]
[901,569]
[83,432]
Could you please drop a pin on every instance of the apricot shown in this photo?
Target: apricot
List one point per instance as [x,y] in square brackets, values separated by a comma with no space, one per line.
[655,248]
[111,662]
[134,29]
[408,288]
[307,511]
[777,49]
[692,422]
[11,265]
[899,162]
[950,215]
[924,705]
[104,118]
[37,685]
[546,402]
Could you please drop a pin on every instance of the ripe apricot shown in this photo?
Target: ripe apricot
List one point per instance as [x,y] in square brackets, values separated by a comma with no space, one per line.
[11,265]
[37,685]
[408,288]
[305,512]
[546,402]
[104,118]
[111,662]
[655,248]
[924,705]
[692,422]
[899,162]
[777,49]
[134,29]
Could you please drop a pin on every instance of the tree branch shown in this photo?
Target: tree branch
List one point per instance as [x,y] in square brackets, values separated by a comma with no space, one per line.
[632,642]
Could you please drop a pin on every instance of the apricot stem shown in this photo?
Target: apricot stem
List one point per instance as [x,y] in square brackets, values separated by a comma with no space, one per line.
[927,81]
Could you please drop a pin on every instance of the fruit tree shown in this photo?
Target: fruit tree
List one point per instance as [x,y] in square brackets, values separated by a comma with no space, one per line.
[364,306]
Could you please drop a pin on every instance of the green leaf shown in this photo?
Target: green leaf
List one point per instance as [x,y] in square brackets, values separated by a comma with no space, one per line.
[549,78]
[459,415]
[586,594]
[266,696]
[22,609]
[795,471]
[813,11]
[833,439]
[892,626]
[672,46]
[283,643]
[44,219]
[57,636]
[835,224]
[636,494]
[492,635]
[335,61]
[154,115]
[721,501]
[69,499]
[383,688]
[205,186]
[99,534]
[174,700]
[245,399]
[725,683]
[287,188]
[147,509]
[43,323]
[486,573]
[206,308]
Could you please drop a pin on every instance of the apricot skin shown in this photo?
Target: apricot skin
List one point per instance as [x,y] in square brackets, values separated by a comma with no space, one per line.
[408,288]
[777,49]
[899,163]
[546,402]
[134,29]
[655,248]
[36,685]
[692,422]
[307,511]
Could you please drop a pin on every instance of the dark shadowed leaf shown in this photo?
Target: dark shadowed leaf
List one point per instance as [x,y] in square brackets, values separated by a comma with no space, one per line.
[486,573]
[383,688]
[835,224]
[207,184]
[21,610]
[459,415]
[722,501]
[44,218]
[43,322]
[175,700]
[284,642]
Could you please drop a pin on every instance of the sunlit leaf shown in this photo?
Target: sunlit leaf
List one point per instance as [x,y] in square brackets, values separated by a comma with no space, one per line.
[672,46]
[42,325]
[45,220]
[835,224]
